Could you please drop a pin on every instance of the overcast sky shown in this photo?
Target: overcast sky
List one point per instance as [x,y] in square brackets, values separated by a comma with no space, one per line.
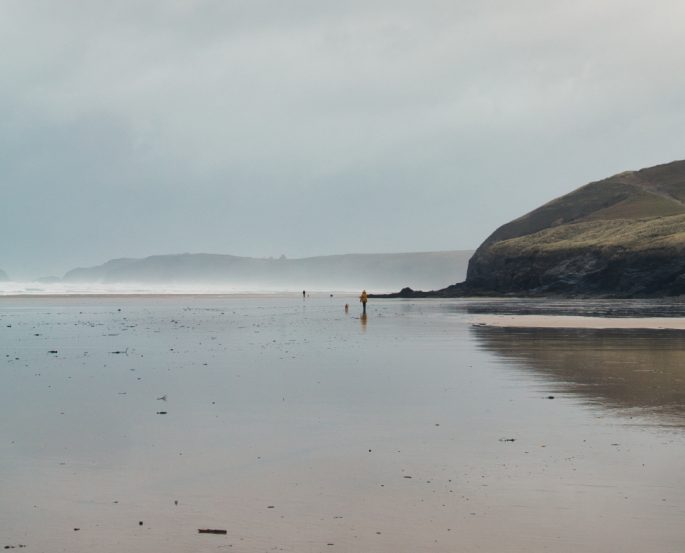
[263,127]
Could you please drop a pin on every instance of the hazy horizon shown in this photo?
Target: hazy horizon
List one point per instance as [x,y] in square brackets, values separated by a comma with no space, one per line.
[50,275]
[317,128]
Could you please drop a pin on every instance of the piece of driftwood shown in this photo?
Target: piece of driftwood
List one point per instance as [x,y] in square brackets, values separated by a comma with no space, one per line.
[211,531]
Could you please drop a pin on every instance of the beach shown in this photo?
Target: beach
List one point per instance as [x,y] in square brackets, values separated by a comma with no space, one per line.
[550,321]
[128,423]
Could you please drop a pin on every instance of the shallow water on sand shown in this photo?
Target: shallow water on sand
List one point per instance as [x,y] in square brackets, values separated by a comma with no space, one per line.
[297,427]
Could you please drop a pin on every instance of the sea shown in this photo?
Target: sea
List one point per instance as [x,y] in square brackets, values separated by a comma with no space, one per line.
[137,422]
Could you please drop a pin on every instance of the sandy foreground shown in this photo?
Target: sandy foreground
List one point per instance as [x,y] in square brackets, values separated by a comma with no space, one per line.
[131,423]
[563,321]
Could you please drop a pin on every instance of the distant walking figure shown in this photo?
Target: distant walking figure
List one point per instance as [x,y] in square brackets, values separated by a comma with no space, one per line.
[304,293]
[347,308]
[364,298]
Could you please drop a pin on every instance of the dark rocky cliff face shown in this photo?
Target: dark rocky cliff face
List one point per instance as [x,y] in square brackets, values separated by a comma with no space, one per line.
[620,237]
[591,272]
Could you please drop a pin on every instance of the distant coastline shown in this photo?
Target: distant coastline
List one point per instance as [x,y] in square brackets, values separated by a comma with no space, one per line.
[227,274]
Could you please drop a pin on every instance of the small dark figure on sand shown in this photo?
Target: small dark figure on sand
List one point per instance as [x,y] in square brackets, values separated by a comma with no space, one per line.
[347,307]
[304,294]
[364,298]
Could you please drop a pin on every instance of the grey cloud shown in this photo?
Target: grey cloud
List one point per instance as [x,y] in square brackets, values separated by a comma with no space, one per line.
[309,127]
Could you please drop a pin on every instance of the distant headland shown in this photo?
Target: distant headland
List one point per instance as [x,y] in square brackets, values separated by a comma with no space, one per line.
[384,271]
[621,237]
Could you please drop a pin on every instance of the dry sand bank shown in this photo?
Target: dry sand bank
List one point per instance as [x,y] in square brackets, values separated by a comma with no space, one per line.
[568,321]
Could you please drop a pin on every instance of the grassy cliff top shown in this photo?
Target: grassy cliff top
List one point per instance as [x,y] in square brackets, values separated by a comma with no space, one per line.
[632,196]
[636,210]
[639,235]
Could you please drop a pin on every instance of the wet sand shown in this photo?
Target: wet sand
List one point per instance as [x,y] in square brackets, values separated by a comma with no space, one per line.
[296,427]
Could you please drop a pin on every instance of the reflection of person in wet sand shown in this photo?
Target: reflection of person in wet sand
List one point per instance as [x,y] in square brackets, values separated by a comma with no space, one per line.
[364,298]
[364,319]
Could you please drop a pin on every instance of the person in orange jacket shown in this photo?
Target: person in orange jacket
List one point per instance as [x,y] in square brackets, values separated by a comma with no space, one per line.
[364,298]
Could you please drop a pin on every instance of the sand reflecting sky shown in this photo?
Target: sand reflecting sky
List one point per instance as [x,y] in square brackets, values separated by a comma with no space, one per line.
[294,425]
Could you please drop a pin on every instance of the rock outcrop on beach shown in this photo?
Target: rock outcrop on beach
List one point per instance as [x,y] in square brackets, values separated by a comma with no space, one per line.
[623,236]
[334,272]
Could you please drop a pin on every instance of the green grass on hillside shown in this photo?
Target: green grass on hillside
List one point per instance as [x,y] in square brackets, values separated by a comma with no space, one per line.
[605,200]
[654,192]
[640,205]
[634,235]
